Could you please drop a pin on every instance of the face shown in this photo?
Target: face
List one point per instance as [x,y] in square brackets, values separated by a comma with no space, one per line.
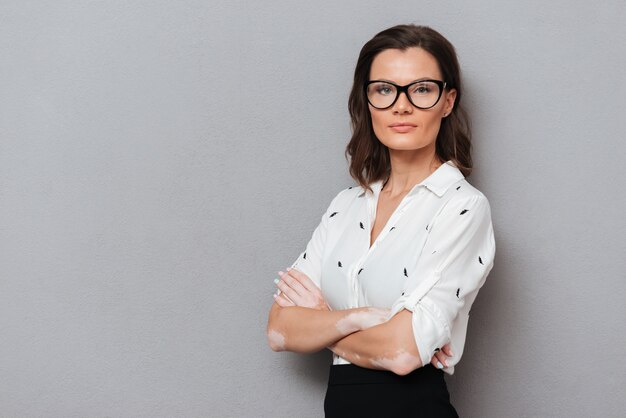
[420,127]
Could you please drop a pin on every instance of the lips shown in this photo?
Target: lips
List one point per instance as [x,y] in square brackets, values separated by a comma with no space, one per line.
[402,127]
[393,125]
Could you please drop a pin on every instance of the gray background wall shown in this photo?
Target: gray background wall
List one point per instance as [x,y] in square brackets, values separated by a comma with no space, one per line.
[161,161]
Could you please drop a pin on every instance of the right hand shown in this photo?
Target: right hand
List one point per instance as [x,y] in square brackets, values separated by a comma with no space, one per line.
[297,289]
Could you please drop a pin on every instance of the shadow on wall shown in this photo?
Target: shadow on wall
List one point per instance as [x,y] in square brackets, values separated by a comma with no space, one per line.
[488,327]
[311,368]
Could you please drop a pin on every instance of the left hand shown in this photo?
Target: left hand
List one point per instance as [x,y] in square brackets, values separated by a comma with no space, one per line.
[299,290]
[441,356]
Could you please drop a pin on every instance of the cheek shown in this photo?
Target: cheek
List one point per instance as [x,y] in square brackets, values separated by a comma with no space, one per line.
[378,123]
[434,125]
[431,123]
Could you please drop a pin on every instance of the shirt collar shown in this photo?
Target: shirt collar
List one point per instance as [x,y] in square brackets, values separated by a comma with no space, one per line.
[443,178]
[438,182]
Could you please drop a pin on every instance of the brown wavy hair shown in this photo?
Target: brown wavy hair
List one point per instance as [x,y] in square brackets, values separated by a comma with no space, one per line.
[369,158]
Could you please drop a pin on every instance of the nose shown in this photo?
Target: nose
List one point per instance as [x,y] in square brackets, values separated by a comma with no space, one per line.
[402,105]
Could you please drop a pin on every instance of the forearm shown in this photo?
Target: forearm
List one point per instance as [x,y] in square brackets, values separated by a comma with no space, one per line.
[305,330]
[384,347]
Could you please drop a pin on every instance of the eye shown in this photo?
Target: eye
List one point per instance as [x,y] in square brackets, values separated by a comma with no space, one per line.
[422,88]
[382,89]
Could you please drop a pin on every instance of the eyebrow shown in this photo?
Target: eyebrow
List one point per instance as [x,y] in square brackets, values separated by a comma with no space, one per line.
[411,82]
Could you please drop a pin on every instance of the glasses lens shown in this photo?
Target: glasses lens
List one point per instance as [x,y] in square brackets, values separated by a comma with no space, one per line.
[424,93]
[381,94]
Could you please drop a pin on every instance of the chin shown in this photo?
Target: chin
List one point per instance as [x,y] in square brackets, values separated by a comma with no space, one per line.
[404,144]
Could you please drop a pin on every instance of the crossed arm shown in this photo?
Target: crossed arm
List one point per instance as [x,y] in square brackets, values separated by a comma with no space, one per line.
[300,321]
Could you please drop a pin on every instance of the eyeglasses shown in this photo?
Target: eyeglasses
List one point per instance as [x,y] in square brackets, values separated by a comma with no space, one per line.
[422,94]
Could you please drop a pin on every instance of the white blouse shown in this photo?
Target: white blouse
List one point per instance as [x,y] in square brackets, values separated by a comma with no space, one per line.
[431,258]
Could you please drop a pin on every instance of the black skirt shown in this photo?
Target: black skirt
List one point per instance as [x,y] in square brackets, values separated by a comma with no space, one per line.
[354,391]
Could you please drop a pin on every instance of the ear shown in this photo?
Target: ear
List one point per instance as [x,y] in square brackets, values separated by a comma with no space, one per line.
[449,101]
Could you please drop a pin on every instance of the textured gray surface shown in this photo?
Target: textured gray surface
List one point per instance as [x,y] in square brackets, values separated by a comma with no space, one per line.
[160,161]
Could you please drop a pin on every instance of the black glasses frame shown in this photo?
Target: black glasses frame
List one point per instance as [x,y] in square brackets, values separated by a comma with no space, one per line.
[405,89]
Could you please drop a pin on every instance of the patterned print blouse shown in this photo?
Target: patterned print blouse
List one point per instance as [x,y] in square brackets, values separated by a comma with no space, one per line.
[431,258]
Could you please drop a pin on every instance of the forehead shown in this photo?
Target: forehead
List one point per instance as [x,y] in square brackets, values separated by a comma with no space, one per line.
[404,66]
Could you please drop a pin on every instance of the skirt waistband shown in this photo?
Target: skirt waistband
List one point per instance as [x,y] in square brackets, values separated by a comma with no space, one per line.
[350,374]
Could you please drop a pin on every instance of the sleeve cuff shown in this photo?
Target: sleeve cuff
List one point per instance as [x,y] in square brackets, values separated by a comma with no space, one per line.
[430,329]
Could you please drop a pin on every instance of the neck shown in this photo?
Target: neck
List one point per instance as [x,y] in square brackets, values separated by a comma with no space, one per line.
[409,168]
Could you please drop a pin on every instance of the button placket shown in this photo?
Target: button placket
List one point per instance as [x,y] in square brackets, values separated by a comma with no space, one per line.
[393,220]
[371,206]
[355,286]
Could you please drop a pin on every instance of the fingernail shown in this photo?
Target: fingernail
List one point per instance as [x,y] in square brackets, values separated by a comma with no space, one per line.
[451,353]
[439,365]
[288,269]
[280,273]
[275,295]
[276,281]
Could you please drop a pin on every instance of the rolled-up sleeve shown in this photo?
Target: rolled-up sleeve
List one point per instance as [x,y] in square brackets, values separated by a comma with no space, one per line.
[454,263]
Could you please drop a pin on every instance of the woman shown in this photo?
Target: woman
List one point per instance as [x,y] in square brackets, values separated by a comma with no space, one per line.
[388,278]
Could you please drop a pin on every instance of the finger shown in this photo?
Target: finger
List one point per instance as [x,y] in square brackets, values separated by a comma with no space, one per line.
[278,292]
[438,362]
[447,350]
[434,361]
[313,292]
[284,287]
[282,301]
[293,283]
[304,280]
[443,359]
[289,292]
[437,359]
